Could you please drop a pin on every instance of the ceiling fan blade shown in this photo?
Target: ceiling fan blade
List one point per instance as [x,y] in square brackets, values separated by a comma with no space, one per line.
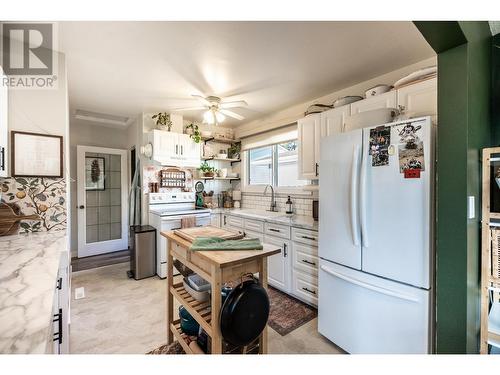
[198,108]
[202,99]
[238,103]
[231,114]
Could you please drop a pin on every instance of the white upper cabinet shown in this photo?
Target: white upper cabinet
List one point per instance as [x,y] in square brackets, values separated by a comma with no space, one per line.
[3,127]
[416,100]
[387,100]
[333,120]
[309,134]
[175,149]
[419,99]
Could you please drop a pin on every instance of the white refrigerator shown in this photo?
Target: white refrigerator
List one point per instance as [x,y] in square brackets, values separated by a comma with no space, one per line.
[376,238]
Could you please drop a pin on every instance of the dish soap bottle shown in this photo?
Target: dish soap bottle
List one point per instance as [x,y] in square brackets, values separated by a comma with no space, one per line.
[289,206]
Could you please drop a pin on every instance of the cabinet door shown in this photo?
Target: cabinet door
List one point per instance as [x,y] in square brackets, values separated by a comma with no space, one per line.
[387,100]
[215,220]
[165,147]
[279,265]
[419,99]
[3,127]
[188,152]
[308,146]
[332,121]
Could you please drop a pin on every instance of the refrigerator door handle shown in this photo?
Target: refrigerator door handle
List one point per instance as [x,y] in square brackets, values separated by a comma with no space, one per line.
[354,195]
[375,288]
[363,200]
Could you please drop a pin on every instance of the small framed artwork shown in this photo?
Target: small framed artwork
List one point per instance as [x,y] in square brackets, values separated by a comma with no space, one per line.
[36,155]
[94,173]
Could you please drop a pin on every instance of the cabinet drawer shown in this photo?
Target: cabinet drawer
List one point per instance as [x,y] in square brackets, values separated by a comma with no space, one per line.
[304,259]
[277,230]
[254,225]
[305,287]
[306,236]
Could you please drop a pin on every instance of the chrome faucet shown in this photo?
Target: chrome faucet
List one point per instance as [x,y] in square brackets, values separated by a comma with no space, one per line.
[272,207]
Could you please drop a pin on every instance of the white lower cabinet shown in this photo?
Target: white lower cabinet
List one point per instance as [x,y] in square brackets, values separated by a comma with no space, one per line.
[215,220]
[305,287]
[279,265]
[294,270]
[58,340]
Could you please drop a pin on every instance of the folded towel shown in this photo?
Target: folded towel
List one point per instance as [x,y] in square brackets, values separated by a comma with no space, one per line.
[216,243]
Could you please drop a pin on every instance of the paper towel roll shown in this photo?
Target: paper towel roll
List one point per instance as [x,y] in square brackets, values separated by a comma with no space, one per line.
[236,195]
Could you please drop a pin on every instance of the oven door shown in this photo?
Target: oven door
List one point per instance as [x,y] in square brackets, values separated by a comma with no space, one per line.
[169,223]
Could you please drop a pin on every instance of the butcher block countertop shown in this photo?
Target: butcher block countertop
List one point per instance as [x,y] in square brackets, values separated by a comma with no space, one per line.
[227,257]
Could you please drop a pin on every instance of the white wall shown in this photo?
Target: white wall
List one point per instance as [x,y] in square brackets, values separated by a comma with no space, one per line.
[85,134]
[43,111]
[295,112]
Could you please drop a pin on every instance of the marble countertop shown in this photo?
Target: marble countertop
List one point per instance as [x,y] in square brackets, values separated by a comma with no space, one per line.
[296,221]
[29,264]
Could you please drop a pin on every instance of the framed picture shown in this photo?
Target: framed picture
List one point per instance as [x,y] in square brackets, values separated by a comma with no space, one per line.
[36,155]
[94,173]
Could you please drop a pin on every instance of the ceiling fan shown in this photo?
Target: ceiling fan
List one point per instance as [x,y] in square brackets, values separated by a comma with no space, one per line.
[216,109]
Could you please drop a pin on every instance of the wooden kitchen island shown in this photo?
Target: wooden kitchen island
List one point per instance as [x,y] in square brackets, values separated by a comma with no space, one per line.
[216,267]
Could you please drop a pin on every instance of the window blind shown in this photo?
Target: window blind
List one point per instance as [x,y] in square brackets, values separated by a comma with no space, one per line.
[271,137]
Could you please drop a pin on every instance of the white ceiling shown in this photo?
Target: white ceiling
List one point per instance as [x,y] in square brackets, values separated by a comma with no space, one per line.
[124,68]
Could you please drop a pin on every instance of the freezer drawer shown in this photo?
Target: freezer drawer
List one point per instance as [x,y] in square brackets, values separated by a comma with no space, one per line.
[362,313]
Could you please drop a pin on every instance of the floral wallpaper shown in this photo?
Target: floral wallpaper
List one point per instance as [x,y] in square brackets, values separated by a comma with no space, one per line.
[44,198]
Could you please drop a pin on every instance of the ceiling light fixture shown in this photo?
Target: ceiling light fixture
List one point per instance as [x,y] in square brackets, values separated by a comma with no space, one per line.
[213,117]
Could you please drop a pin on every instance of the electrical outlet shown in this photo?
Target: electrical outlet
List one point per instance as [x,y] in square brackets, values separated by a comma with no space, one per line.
[79,293]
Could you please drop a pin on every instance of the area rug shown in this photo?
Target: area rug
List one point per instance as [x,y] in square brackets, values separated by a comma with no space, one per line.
[286,315]
[173,348]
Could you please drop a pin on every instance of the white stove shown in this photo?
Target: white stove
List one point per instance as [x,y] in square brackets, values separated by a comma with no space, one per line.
[165,213]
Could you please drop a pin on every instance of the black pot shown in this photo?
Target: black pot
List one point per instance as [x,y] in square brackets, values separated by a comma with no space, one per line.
[244,313]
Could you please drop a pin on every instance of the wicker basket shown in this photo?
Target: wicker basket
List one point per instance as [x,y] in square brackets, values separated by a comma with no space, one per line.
[495,256]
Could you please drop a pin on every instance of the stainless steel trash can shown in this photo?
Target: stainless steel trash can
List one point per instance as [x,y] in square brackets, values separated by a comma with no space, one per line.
[142,244]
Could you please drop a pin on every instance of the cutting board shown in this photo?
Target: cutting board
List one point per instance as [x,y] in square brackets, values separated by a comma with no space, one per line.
[190,234]
[10,216]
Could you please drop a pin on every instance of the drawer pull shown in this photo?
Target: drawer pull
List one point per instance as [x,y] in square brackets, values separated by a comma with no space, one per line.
[285,253]
[274,230]
[309,290]
[309,238]
[308,262]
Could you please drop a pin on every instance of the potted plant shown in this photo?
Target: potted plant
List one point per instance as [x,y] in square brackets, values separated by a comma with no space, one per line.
[234,151]
[163,121]
[207,170]
[194,132]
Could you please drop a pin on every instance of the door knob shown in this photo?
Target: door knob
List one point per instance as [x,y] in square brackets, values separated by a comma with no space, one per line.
[81,207]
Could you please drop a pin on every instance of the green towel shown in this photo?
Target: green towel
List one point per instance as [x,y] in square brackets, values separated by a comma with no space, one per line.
[216,243]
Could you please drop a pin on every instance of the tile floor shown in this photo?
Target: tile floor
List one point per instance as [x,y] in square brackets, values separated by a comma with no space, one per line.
[119,315]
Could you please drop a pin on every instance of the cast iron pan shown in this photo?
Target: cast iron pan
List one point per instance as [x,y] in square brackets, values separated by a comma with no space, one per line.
[244,313]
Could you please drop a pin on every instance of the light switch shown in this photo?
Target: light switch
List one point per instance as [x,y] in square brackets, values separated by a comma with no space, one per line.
[471,207]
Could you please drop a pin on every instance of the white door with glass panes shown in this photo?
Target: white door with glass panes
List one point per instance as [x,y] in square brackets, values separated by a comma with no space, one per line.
[309,134]
[386,100]
[102,200]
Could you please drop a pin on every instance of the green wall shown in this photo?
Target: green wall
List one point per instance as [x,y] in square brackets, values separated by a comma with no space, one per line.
[464,56]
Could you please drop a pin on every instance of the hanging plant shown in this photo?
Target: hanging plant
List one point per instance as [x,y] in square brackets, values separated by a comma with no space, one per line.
[194,132]
[163,121]
[95,171]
